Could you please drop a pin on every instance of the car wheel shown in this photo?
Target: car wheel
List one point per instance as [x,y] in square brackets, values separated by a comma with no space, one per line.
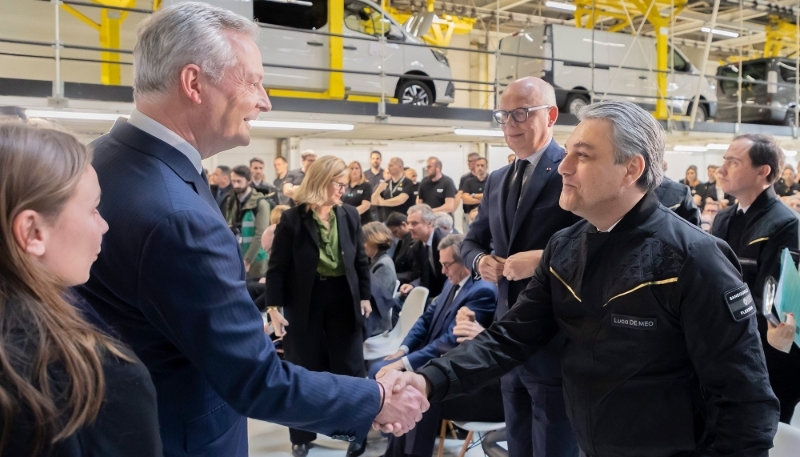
[575,102]
[414,92]
[702,113]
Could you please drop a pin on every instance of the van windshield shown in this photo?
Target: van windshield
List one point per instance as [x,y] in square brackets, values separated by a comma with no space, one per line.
[308,14]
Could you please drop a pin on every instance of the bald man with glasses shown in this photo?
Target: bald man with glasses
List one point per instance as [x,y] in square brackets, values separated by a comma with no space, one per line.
[518,214]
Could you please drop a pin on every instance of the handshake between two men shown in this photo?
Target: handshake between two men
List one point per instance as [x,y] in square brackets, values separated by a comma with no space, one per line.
[401,407]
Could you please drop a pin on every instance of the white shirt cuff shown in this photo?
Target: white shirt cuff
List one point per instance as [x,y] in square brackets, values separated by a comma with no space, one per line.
[404,348]
[407,364]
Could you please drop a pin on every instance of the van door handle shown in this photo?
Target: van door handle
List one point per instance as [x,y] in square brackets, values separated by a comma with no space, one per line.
[313,43]
[351,48]
[642,77]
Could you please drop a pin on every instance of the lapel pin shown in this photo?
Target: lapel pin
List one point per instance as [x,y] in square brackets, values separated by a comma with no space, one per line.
[548,169]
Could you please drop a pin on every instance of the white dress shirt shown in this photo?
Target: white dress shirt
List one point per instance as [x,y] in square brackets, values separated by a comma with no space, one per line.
[148,125]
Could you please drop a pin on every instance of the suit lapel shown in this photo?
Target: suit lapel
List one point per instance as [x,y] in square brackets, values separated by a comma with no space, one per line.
[310,224]
[174,159]
[505,176]
[541,174]
[443,315]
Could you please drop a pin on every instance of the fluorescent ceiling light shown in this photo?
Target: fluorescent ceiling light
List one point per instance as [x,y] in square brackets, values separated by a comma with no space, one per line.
[717,147]
[689,148]
[478,132]
[76,115]
[720,32]
[790,153]
[300,125]
[561,6]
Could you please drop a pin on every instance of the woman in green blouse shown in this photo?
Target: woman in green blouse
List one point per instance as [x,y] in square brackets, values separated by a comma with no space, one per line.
[319,275]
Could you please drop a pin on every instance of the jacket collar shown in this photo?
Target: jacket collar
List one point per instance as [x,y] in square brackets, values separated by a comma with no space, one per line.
[764,200]
[548,164]
[638,215]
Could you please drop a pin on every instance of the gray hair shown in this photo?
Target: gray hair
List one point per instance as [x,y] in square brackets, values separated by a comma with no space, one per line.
[183,34]
[443,221]
[425,212]
[635,132]
[454,240]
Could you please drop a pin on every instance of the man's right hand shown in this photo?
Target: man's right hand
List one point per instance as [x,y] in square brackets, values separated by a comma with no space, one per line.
[396,355]
[279,323]
[491,268]
[402,408]
[405,289]
[408,379]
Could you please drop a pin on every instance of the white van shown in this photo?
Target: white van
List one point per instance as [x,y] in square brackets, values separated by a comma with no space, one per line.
[570,72]
[288,43]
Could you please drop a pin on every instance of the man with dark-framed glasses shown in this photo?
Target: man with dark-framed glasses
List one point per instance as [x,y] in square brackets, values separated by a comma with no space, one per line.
[518,214]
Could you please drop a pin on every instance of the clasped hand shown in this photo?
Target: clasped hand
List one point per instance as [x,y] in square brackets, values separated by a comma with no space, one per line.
[402,407]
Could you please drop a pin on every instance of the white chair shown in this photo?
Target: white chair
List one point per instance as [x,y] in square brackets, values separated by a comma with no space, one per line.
[380,346]
[396,293]
[472,428]
[786,442]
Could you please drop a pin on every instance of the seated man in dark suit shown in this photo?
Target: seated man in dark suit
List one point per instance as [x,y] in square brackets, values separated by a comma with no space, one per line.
[402,256]
[425,254]
[432,336]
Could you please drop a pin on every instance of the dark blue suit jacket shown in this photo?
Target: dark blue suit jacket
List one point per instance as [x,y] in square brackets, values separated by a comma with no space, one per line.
[432,334]
[538,217]
[170,279]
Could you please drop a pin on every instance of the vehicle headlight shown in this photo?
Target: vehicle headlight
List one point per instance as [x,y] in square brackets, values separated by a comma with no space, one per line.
[440,56]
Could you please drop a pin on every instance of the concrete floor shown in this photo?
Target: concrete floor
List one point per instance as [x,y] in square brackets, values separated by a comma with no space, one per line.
[273,441]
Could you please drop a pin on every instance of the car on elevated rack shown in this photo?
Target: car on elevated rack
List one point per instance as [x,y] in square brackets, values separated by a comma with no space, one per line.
[579,62]
[296,38]
[768,91]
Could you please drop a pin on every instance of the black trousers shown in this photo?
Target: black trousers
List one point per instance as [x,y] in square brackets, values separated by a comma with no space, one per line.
[536,418]
[328,338]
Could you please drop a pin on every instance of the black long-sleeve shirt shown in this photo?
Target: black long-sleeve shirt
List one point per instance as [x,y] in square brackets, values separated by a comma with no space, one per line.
[655,315]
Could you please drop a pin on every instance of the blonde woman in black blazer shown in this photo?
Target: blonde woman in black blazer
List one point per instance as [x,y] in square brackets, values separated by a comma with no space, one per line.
[319,274]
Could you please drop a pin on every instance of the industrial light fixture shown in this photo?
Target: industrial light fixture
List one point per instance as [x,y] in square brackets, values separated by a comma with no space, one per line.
[689,148]
[478,132]
[717,147]
[74,115]
[789,153]
[720,32]
[301,125]
[561,6]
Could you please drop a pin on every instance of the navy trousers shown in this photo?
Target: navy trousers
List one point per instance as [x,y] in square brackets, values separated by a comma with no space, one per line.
[536,417]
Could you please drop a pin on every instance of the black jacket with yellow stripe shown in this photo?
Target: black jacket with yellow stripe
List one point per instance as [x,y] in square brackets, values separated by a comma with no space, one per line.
[656,316]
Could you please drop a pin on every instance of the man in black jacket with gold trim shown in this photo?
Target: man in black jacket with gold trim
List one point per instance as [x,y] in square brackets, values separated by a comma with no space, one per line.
[652,308]
[758,228]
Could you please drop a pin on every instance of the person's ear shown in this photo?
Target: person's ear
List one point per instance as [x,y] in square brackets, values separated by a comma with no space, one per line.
[29,233]
[764,171]
[552,116]
[190,84]
[634,170]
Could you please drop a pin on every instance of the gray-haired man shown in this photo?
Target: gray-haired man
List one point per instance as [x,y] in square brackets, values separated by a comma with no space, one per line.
[659,325]
[171,278]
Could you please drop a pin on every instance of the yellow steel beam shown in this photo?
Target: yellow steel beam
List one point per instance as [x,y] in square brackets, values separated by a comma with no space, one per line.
[336,49]
[84,18]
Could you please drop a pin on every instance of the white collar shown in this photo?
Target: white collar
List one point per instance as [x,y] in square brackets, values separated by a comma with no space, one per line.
[610,228]
[153,127]
[430,238]
[744,208]
[534,158]
[462,282]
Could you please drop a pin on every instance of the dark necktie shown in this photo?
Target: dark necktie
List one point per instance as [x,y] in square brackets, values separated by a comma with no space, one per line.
[515,191]
[441,311]
[736,230]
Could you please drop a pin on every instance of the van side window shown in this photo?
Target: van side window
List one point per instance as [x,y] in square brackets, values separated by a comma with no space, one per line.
[754,72]
[788,72]
[294,15]
[360,17]
[729,71]
[679,63]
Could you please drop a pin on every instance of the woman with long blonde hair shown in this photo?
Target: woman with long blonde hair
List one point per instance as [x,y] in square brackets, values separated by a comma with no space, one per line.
[66,387]
[319,274]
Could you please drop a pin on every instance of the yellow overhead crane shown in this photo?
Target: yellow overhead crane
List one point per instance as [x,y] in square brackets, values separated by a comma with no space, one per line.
[589,12]
[782,37]
[109,29]
[442,28]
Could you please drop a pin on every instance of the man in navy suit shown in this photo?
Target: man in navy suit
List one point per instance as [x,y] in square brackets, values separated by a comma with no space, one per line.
[432,336]
[170,278]
[516,218]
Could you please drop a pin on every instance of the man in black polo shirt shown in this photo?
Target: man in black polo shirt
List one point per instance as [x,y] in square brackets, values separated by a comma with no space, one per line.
[472,159]
[472,188]
[437,190]
[375,172]
[396,194]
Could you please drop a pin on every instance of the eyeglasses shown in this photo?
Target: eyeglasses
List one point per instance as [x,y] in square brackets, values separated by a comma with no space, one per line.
[448,265]
[519,114]
[339,186]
